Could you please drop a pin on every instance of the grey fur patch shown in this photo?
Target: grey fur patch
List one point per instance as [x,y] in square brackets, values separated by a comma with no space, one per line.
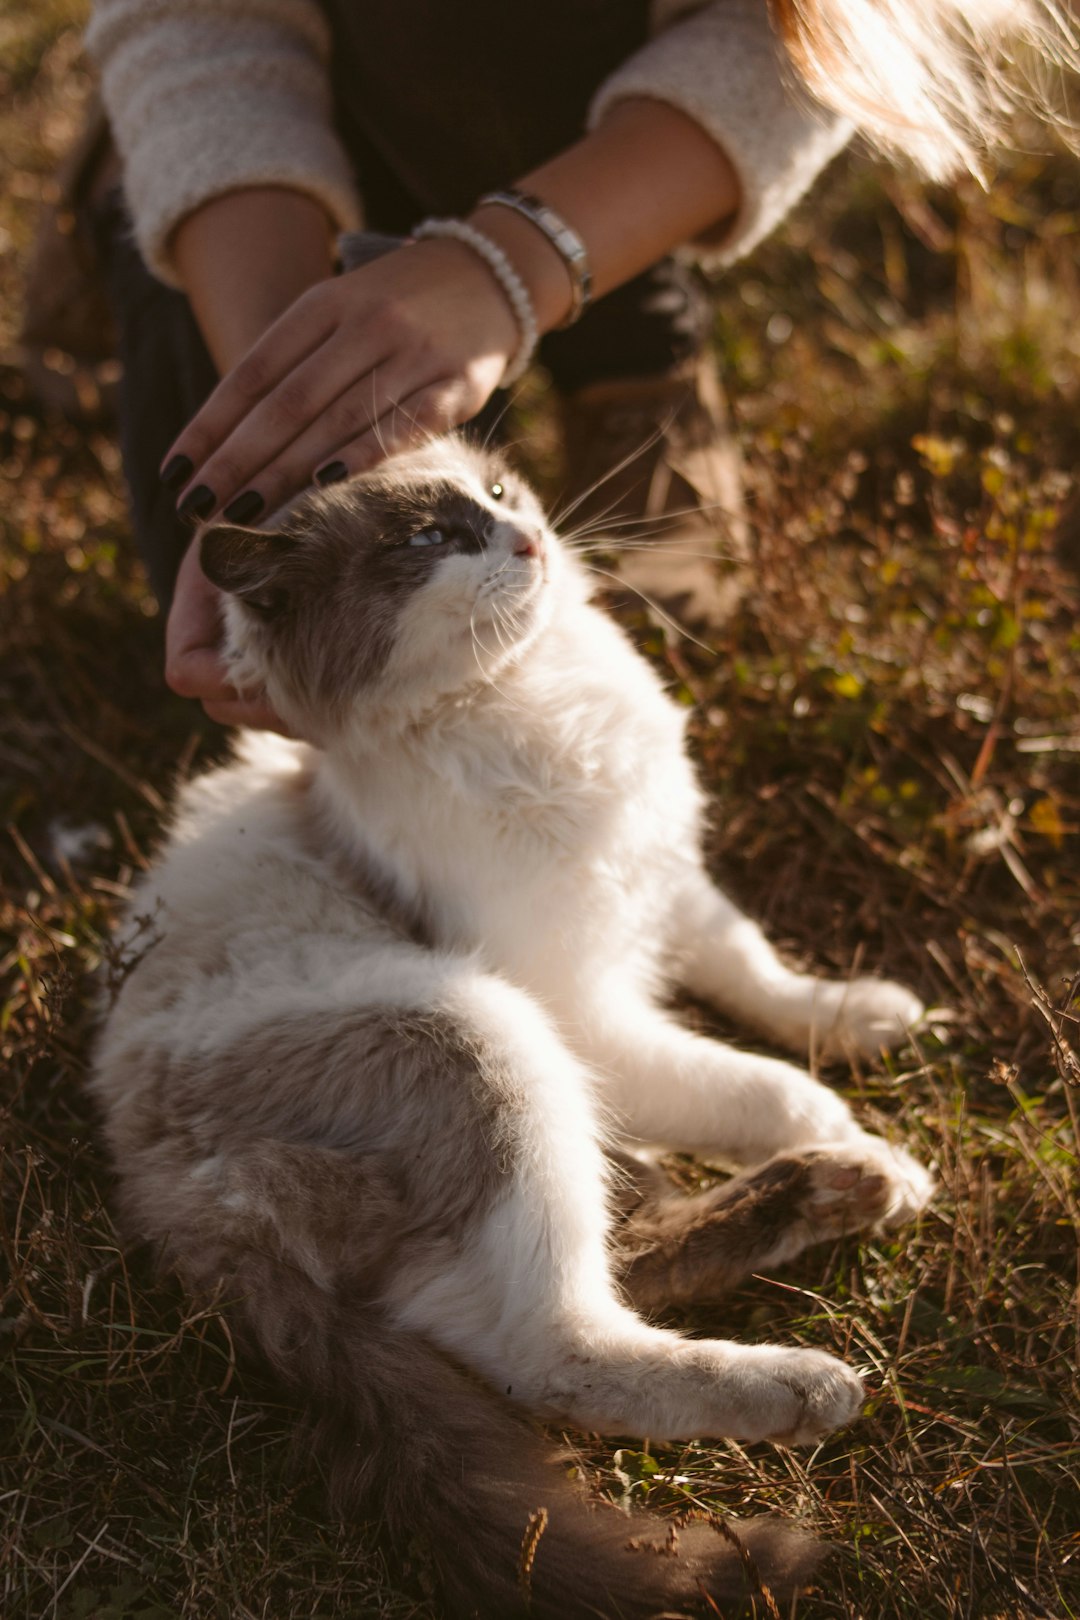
[410,1098]
[372,884]
[327,589]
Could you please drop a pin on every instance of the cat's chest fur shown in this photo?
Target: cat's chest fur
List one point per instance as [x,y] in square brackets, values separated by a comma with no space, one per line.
[546,815]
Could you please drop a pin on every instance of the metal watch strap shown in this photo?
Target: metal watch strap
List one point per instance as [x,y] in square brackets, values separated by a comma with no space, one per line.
[563,238]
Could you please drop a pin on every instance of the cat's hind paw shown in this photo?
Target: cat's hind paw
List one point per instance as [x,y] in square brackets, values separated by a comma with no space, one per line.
[852,1186]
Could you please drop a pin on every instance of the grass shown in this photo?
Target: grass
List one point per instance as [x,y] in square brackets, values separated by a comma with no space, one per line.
[891,735]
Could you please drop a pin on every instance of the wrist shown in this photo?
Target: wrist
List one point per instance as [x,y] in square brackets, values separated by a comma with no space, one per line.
[474,274]
[536,261]
[244,257]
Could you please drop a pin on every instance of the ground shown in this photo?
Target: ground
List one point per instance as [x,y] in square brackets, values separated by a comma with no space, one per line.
[890,732]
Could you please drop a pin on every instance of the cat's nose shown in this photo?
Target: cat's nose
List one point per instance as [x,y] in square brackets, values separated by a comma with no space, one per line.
[529,543]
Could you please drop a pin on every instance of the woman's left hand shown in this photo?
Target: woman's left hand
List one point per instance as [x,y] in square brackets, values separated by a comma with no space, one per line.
[358,367]
[195,666]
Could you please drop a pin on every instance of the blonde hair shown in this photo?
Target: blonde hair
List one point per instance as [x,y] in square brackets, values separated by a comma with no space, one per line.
[936,80]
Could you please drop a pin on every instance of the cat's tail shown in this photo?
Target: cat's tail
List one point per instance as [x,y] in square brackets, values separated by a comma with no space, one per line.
[407,1436]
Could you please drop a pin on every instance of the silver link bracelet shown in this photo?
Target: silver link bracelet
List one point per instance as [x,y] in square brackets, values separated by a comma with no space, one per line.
[563,238]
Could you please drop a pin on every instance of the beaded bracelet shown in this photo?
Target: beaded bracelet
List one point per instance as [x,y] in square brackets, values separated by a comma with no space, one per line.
[563,238]
[511,283]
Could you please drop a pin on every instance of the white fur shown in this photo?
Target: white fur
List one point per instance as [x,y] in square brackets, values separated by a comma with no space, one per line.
[522,776]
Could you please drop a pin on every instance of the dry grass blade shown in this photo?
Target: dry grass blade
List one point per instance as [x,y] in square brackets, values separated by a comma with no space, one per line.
[530,1543]
[758,1590]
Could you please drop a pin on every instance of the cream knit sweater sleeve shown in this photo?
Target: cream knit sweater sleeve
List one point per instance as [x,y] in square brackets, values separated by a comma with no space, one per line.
[208,96]
[723,66]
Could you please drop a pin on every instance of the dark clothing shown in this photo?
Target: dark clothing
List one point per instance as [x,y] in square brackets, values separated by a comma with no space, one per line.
[167,374]
[452,97]
[435,103]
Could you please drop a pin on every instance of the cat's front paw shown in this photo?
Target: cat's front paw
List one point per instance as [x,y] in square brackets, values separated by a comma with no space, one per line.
[865,1016]
[796,1397]
[857,1184]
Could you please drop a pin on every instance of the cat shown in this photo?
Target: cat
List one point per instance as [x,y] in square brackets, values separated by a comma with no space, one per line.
[389,1077]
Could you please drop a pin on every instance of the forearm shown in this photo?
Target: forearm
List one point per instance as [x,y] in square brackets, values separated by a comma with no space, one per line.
[645,181]
[244,257]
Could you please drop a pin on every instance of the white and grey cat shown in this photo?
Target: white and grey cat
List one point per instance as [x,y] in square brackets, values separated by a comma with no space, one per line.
[406,1002]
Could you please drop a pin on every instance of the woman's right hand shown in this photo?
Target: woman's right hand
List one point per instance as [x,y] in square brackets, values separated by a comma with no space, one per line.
[358,367]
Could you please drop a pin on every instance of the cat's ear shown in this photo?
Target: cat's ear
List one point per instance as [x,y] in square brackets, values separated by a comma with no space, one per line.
[252,564]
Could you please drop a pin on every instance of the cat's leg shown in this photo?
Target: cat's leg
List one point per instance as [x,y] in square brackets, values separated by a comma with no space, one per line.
[679,1250]
[667,1084]
[725,958]
[520,1285]
[436,1163]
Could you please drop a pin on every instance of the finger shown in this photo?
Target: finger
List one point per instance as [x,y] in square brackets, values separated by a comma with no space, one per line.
[429,411]
[198,672]
[318,393]
[194,666]
[348,417]
[201,675]
[194,619]
[193,630]
[304,327]
[255,716]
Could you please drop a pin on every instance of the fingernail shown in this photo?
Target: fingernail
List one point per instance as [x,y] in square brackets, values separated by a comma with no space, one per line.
[199,503]
[332,473]
[175,473]
[245,507]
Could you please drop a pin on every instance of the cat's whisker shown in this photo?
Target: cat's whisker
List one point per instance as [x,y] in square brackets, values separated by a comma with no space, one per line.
[656,548]
[376,427]
[504,615]
[601,539]
[643,524]
[498,625]
[645,542]
[628,460]
[655,607]
[509,401]
[489,680]
[478,646]
[422,434]
[595,523]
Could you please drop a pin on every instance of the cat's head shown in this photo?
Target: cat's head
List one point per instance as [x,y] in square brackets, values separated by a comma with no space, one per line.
[430,573]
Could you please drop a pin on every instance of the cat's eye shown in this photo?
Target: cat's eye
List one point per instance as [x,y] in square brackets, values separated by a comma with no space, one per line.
[427,537]
[496,492]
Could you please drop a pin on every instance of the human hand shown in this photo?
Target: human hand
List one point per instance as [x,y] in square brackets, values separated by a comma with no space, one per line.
[358,367]
[194,666]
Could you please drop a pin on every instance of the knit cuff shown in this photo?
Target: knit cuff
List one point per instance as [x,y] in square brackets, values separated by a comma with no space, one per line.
[724,68]
[234,151]
[206,97]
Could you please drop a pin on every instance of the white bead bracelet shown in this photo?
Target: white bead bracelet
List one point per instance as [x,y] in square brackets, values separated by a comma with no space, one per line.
[517,293]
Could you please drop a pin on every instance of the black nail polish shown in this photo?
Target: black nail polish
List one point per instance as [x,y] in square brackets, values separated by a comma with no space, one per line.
[175,473]
[332,473]
[245,508]
[199,503]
